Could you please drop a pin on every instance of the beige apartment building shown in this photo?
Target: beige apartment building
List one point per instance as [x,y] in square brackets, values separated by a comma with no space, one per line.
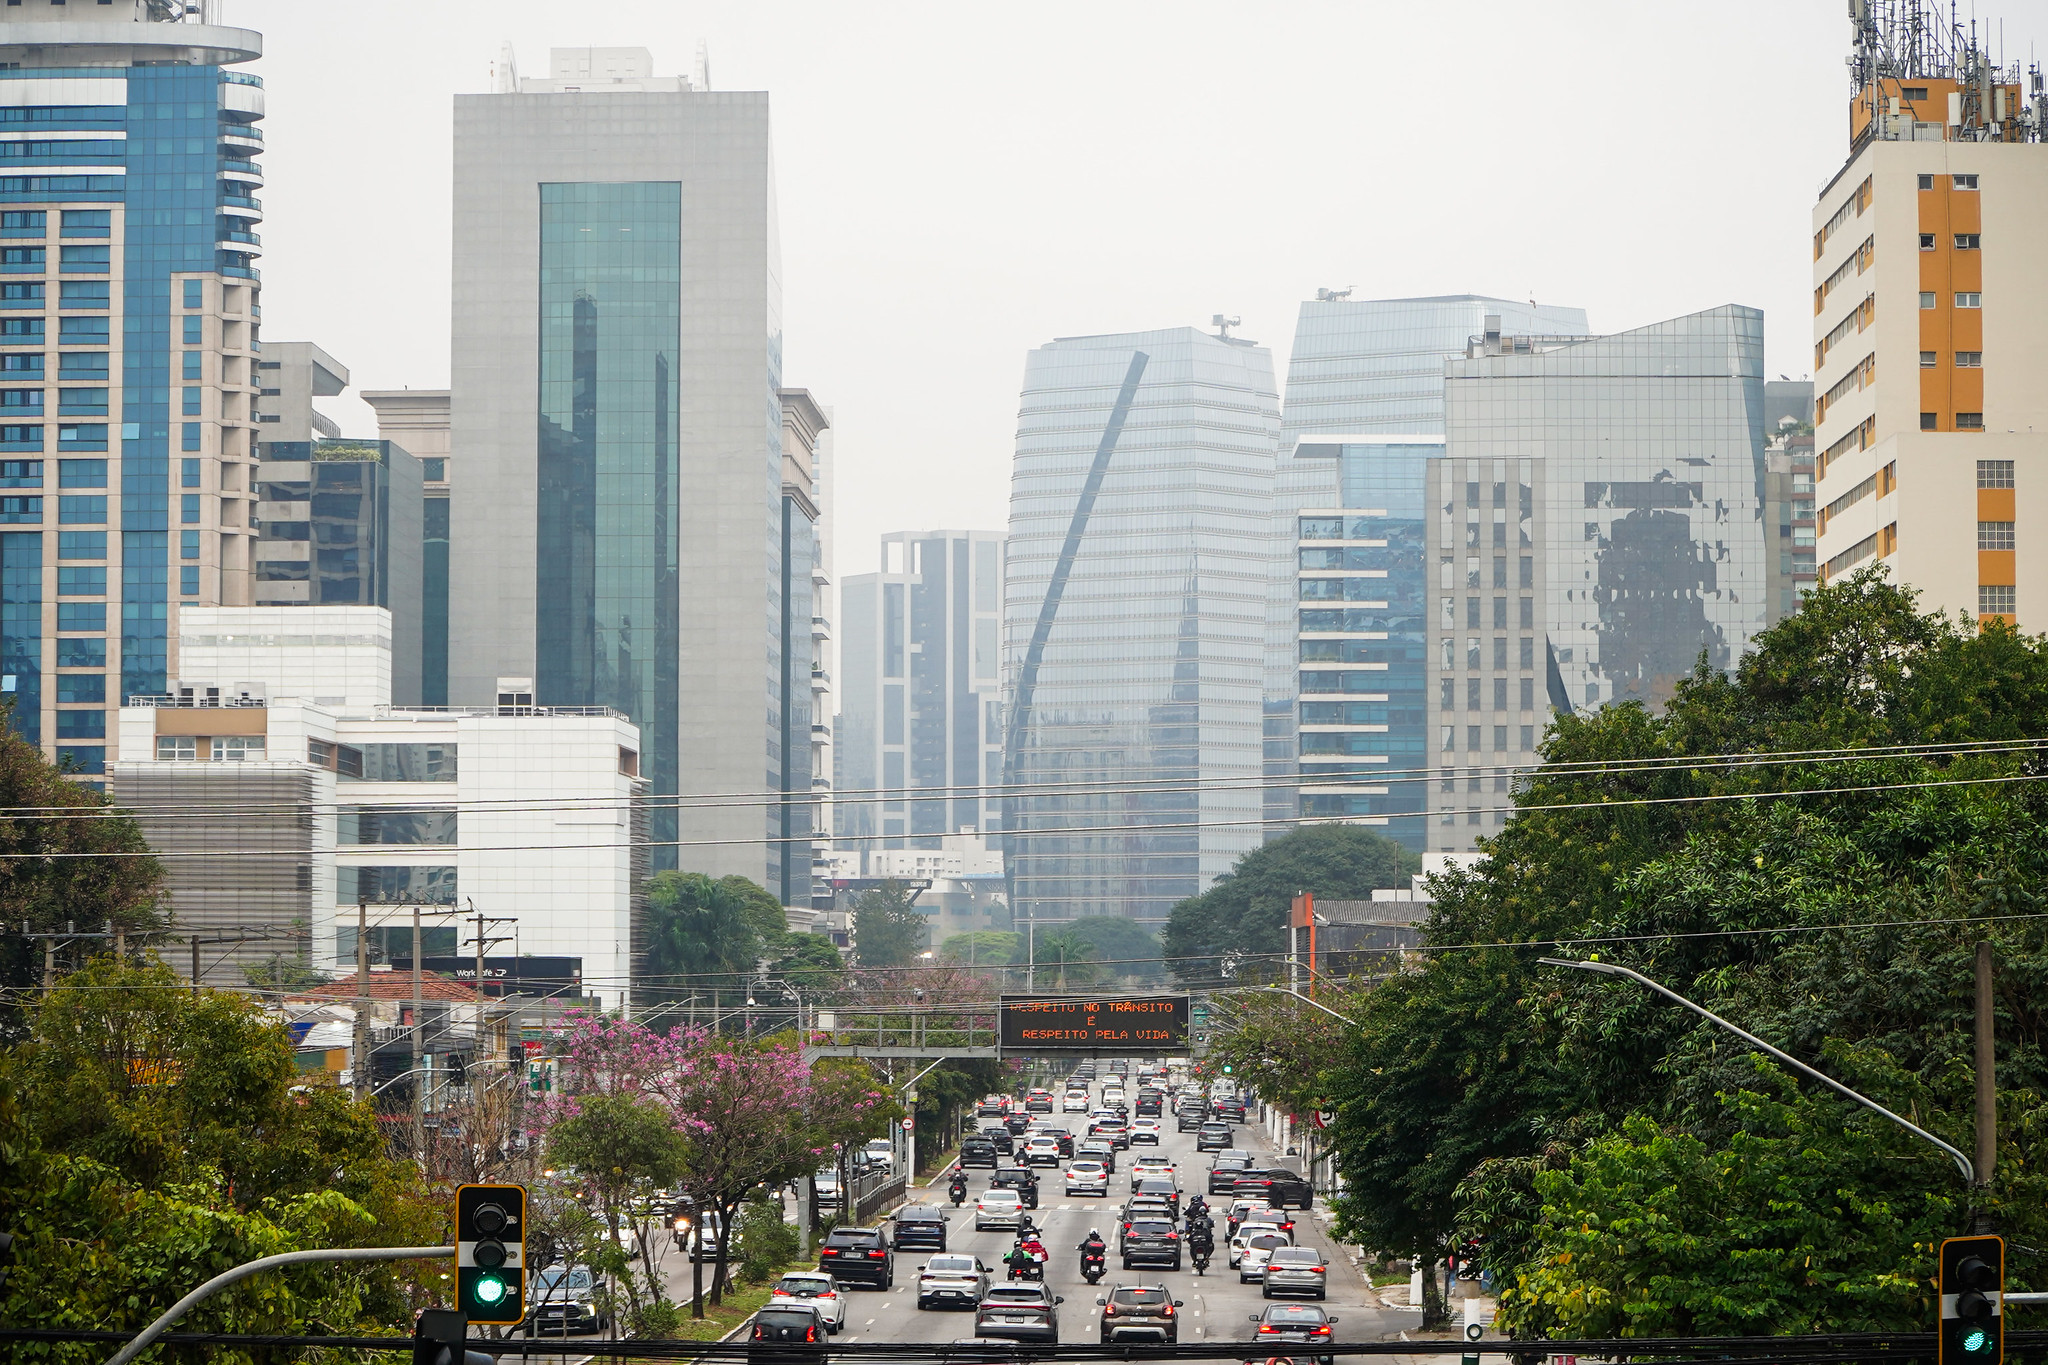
[1931,426]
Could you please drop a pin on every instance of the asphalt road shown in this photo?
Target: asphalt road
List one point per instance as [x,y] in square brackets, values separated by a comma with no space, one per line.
[1216,1307]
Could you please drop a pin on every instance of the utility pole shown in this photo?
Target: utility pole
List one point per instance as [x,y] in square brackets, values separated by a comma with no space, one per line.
[418,1092]
[1987,1071]
[362,1040]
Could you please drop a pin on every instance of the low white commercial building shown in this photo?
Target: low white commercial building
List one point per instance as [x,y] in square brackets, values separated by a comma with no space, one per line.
[290,799]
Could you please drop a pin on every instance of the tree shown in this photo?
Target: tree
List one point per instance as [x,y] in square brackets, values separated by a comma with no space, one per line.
[705,934]
[43,812]
[1245,913]
[1064,956]
[1122,947]
[620,1144]
[981,948]
[888,928]
[809,962]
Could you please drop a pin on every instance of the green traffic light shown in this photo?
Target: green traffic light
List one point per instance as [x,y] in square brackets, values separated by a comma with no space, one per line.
[489,1290]
[1976,1339]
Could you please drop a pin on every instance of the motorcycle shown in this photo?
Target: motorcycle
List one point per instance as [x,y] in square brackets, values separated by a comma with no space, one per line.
[1201,1260]
[958,1189]
[1093,1268]
[1029,1271]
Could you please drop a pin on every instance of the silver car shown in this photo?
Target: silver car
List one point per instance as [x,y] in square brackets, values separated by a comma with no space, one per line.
[952,1281]
[998,1209]
[1296,1270]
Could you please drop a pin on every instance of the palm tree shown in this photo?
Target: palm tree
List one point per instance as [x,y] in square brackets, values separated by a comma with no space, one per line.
[1067,949]
[700,936]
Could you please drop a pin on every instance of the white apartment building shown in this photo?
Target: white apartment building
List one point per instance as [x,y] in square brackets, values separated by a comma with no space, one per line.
[291,800]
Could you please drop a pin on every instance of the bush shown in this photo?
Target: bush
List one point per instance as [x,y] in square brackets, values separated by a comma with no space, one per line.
[766,1243]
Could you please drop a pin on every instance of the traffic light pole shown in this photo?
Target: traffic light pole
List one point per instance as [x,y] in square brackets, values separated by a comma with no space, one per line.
[1609,969]
[149,1334]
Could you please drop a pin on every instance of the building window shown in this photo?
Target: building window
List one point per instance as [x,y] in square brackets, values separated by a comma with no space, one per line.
[1997,599]
[1927,359]
[1927,421]
[1969,241]
[1528,694]
[1447,695]
[1927,298]
[1472,694]
[1994,473]
[1447,737]
[1966,182]
[1500,696]
[1472,738]
[1528,738]
[1528,655]
[188,580]
[1500,613]
[1472,613]
[237,748]
[1972,299]
[1500,652]
[195,293]
[1500,737]
[1969,360]
[81,653]
[1969,421]
[1888,540]
[1994,535]
[1927,241]
[176,748]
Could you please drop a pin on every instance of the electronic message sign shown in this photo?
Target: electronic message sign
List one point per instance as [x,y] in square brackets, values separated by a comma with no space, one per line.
[1134,1025]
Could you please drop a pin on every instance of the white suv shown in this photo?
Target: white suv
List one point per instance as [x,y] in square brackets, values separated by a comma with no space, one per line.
[1086,1175]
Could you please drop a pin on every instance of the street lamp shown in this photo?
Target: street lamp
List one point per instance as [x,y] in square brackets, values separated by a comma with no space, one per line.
[1609,969]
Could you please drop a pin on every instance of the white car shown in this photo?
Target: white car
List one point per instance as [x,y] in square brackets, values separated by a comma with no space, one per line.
[1043,1150]
[998,1209]
[812,1289]
[1145,1130]
[1241,1243]
[1085,1175]
[951,1282]
[881,1152]
[1154,1167]
[1076,1102]
[1112,1096]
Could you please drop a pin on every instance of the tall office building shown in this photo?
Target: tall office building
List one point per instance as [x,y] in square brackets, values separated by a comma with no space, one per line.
[919,736]
[619,537]
[128,317]
[417,419]
[1926,267]
[804,811]
[1140,560]
[1598,523]
[1364,413]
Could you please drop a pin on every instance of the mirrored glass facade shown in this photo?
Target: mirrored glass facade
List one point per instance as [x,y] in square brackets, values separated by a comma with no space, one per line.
[1139,562]
[606,575]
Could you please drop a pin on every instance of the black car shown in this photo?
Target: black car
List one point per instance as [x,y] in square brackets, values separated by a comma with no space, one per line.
[1231,1111]
[1066,1139]
[782,1331]
[920,1226]
[1017,1123]
[978,1151]
[1000,1136]
[1162,1187]
[1019,1178]
[1149,1241]
[1281,1189]
[1140,1312]
[1292,1324]
[858,1256]
[1038,1104]
[1229,1166]
[1213,1137]
[1150,1104]
[1192,1118]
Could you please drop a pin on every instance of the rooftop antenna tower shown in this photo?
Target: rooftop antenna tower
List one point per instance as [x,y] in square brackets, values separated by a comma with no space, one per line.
[700,76]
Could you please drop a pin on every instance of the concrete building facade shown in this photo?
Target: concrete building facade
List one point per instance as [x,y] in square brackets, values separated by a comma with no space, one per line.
[620,541]
[417,419]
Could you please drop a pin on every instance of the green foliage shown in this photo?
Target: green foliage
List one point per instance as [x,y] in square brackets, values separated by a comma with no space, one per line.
[809,962]
[705,933]
[618,1141]
[1122,947]
[982,948]
[766,1242]
[1245,912]
[1062,961]
[888,928]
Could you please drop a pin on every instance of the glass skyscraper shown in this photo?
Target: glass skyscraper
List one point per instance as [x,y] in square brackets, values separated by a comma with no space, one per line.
[128,318]
[1138,567]
[1364,415]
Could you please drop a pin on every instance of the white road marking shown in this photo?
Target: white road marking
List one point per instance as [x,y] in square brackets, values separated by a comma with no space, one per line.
[869,1323]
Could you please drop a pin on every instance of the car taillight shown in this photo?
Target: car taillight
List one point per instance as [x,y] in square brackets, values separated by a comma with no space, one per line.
[810,1334]
[876,1255]
[1173,1237]
[1109,1311]
[1267,1327]
[1168,1310]
[829,1251]
[828,1294]
[1315,1270]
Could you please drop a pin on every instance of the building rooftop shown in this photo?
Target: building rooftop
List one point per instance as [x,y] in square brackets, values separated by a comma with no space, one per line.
[391,986]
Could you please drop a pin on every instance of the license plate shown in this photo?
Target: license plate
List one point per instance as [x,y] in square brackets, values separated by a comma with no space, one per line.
[1013,1322]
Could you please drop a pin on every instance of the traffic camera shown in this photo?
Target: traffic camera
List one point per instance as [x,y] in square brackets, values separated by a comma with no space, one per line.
[490,1252]
[1972,1301]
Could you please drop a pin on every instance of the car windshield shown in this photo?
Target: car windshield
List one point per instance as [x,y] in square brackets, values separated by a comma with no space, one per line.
[1085,1167]
[962,1263]
[999,1197]
[1296,1255]
[785,1317]
[1139,1296]
[852,1237]
[1294,1313]
[1156,1186]
[802,1284]
[1266,1241]
[552,1278]
[1016,1294]
[1151,1227]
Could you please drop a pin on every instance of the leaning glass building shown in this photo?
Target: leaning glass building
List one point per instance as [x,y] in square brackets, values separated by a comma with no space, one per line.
[1138,562]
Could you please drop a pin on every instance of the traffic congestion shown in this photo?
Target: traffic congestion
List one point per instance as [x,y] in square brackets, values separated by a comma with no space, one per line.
[1125,1203]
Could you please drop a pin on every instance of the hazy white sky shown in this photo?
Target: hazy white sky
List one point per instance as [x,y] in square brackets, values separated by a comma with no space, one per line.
[962,181]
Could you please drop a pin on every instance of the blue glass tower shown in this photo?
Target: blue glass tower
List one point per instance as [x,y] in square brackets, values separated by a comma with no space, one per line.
[128,318]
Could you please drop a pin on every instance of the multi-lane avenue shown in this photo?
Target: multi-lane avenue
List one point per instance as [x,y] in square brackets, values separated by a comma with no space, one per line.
[1215,1306]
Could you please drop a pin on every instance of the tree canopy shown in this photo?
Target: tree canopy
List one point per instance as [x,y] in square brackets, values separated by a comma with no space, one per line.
[888,928]
[1245,912]
[709,934]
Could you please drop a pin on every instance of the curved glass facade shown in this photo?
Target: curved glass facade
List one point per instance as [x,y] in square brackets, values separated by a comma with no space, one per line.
[1139,554]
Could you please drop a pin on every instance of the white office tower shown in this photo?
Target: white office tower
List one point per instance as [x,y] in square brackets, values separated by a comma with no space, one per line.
[1139,558]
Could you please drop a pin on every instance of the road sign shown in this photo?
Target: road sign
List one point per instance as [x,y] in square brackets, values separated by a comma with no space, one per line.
[1111,1026]
[1325,1117]
[909,1124]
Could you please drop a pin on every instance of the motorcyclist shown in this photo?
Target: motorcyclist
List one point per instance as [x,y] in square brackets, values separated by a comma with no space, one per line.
[958,1188]
[1019,1260]
[1092,1248]
[1036,1248]
[1198,1207]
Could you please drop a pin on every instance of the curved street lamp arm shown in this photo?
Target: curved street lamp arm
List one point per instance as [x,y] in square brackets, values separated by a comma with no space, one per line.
[1609,969]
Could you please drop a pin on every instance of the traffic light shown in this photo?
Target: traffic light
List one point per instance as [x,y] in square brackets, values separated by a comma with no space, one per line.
[1972,1301]
[490,1252]
[437,1335]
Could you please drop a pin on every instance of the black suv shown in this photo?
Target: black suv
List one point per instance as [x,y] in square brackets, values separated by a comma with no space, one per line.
[1213,1137]
[1022,1179]
[1154,1241]
[1140,1312]
[858,1256]
[920,1226]
[1280,1189]
[1150,1104]
[1193,1114]
[1229,1166]
[1017,1123]
[978,1151]
[1230,1110]
[1000,1136]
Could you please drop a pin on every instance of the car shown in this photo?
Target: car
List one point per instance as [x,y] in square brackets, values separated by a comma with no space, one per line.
[1145,1130]
[813,1288]
[1212,1137]
[979,1151]
[698,1232]
[1146,1206]
[992,1107]
[1021,1311]
[921,1226]
[1004,1140]
[1075,1102]
[1139,1312]
[1231,1111]
[561,1301]
[1085,1175]
[1043,1150]
[1150,1105]
[1112,1096]
[789,1322]
[952,1282]
[858,1256]
[1296,1270]
[1021,1179]
[1154,1241]
[1279,1187]
[998,1209]
[1293,1324]
[1099,1150]
[1017,1121]
[1261,1212]
[1115,1131]
[1251,1242]
[1063,1136]
[881,1152]
[1154,1165]
[1159,1187]
[826,1184]
[1038,1104]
